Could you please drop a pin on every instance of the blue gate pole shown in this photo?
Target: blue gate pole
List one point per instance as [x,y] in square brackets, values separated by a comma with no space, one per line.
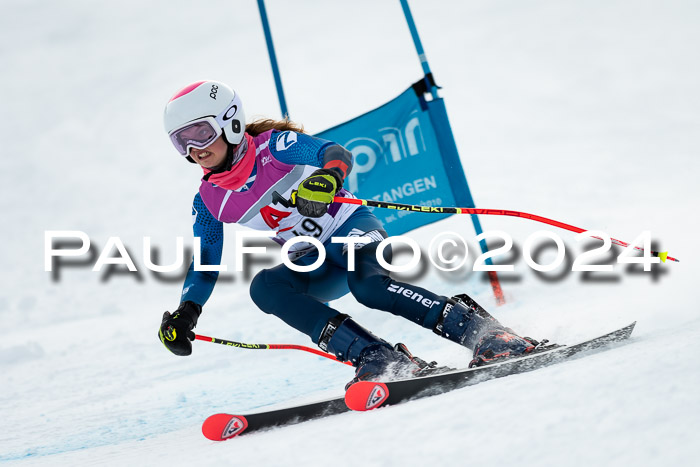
[273,58]
[495,284]
[419,46]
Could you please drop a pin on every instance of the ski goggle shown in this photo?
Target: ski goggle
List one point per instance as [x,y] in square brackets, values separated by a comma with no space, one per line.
[202,132]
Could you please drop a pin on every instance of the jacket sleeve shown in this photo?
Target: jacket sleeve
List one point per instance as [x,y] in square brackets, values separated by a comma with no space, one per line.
[200,284]
[301,149]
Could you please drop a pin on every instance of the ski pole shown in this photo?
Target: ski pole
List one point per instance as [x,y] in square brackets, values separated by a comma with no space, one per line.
[241,345]
[496,212]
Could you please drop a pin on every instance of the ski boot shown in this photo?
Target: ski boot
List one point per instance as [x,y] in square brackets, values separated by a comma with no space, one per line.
[374,358]
[501,344]
[465,322]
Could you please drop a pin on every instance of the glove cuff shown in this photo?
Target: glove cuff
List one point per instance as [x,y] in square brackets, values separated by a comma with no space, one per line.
[189,311]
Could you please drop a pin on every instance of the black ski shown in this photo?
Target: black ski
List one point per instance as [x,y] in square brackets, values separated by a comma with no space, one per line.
[221,426]
[368,395]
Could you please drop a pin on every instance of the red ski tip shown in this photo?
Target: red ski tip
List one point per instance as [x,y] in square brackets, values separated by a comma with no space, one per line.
[223,426]
[366,395]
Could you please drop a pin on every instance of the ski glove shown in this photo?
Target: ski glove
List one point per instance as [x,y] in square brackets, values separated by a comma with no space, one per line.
[176,329]
[316,192]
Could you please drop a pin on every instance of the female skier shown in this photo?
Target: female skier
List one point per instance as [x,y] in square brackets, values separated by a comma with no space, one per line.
[270,175]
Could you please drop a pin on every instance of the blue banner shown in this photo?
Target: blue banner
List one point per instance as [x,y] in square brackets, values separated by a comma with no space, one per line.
[404,152]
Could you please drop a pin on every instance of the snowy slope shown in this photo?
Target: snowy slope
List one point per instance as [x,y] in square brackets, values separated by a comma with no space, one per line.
[585,112]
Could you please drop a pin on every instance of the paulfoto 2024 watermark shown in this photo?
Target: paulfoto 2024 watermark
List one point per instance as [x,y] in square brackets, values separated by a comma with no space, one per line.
[447,251]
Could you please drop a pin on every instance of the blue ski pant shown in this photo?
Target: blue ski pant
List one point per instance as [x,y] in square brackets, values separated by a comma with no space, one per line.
[299,298]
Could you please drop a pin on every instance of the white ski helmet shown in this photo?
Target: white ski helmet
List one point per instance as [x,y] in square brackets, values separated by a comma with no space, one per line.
[200,112]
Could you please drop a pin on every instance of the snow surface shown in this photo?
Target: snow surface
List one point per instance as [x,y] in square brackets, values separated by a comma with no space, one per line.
[582,111]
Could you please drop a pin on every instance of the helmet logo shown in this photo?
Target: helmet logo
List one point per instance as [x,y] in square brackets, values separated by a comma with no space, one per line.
[236,125]
[214,90]
[228,115]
